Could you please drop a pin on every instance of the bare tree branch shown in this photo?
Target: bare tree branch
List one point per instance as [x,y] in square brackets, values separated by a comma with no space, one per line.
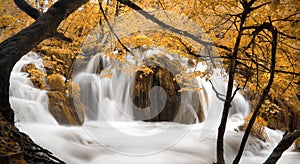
[232,69]
[218,94]
[111,29]
[265,93]
[171,28]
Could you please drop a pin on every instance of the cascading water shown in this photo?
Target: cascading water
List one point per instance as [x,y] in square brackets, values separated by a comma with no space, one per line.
[99,94]
[109,135]
[23,95]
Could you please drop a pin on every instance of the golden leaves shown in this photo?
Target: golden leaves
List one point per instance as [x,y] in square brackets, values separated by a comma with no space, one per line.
[146,71]
[56,82]
[258,128]
[35,75]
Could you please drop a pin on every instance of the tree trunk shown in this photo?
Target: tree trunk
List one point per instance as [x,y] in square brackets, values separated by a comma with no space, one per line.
[12,49]
[229,95]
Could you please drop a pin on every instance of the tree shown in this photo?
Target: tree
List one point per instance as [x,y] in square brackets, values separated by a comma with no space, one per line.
[13,48]
[44,27]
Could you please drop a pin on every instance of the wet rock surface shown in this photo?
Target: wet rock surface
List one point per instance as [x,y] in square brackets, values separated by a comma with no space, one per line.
[157,97]
[63,109]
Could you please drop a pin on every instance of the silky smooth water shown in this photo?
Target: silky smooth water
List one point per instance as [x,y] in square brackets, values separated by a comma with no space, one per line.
[110,135]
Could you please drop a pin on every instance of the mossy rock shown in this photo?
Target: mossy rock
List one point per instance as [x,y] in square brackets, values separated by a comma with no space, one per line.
[28,67]
[258,128]
[10,151]
[188,115]
[142,85]
[295,120]
[36,76]
[160,73]
[56,82]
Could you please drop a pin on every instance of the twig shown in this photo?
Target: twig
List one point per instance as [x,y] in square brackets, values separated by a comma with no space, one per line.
[218,94]
[263,96]
[111,29]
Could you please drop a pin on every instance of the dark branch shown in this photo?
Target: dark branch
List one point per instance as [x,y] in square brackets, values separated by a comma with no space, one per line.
[13,48]
[171,28]
[262,99]
[111,29]
[232,69]
[283,145]
[288,36]
[35,14]
[218,94]
[29,10]
[259,6]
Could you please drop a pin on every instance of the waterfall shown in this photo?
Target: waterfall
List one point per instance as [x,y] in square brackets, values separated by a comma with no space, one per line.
[30,104]
[110,134]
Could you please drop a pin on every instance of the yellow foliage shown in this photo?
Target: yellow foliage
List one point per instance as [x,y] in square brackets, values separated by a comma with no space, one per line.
[12,20]
[276,117]
[36,76]
[146,71]
[258,128]
[56,82]
[106,75]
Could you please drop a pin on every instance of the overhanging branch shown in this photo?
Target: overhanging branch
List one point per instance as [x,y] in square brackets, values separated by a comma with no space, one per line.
[35,14]
[171,28]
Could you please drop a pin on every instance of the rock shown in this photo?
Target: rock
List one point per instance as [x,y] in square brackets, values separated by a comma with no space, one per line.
[258,128]
[294,120]
[142,85]
[297,144]
[81,63]
[190,112]
[149,105]
[36,76]
[63,109]
[28,67]
[10,151]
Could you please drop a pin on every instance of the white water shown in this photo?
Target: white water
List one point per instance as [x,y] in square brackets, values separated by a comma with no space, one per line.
[112,137]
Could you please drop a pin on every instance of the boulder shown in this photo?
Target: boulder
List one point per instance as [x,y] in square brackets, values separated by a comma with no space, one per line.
[297,144]
[258,128]
[56,82]
[156,94]
[190,112]
[141,98]
[63,109]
